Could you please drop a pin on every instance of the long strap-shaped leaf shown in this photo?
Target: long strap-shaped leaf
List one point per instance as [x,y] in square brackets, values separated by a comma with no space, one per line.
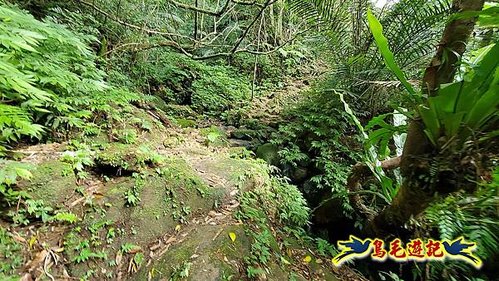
[382,43]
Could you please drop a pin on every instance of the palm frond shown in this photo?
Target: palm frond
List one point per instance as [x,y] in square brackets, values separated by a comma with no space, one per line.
[412,27]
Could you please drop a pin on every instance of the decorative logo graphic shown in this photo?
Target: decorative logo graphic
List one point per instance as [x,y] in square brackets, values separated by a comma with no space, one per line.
[414,250]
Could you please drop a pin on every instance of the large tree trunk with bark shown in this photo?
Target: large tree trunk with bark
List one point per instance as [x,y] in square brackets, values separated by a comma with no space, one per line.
[422,182]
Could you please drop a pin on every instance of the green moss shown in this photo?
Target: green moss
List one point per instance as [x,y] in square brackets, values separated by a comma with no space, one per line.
[125,157]
[163,197]
[214,250]
[53,182]
[118,155]
[185,123]
[268,152]
[231,169]
[153,215]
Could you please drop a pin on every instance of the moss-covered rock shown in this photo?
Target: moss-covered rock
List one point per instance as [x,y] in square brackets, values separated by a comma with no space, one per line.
[207,252]
[185,123]
[190,198]
[167,199]
[118,158]
[299,175]
[53,182]
[269,152]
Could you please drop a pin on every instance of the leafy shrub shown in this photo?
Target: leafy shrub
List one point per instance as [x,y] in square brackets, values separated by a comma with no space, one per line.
[49,78]
[179,80]
[219,90]
[10,258]
[10,173]
[473,216]
[320,138]
[214,136]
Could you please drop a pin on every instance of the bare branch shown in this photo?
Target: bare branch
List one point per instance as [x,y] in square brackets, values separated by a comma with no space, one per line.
[184,50]
[245,33]
[252,3]
[124,23]
[200,10]
[189,51]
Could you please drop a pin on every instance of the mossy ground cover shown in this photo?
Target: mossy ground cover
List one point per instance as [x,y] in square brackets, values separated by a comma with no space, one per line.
[135,187]
[189,196]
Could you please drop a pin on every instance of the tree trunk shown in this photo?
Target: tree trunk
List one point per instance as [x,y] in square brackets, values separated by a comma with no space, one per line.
[196,18]
[453,44]
[421,182]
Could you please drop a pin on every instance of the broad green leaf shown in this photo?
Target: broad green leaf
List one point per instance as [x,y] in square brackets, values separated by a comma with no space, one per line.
[382,43]
[484,73]
[485,106]
[431,122]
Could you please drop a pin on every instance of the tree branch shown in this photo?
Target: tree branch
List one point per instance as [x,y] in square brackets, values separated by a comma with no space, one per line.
[142,47]
[124,23]
[202,11]
[177,46]
[245,33]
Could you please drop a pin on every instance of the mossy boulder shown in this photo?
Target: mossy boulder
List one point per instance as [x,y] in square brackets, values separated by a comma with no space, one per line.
[207,252]
[118,159]
[269,152]
[53,182]
[185,123]
[299,175]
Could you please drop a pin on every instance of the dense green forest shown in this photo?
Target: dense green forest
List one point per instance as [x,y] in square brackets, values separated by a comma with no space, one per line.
[249,140]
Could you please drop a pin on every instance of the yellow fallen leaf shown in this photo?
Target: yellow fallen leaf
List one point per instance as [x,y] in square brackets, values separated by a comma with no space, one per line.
[177,228]
[307,259]
[232,236]
[32,241]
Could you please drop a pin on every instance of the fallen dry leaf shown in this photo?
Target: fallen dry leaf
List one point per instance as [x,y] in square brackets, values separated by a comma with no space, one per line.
[119,258]
[171,240]
[37,261]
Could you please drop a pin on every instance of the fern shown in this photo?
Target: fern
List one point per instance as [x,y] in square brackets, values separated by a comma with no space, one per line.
[48,79]
[411,26]
[16,123]
[473,216]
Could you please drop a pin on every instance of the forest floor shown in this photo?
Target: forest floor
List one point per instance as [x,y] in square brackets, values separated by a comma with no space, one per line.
[173,204]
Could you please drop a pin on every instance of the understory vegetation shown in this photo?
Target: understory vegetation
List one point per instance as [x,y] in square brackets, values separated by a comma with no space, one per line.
[244,140]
